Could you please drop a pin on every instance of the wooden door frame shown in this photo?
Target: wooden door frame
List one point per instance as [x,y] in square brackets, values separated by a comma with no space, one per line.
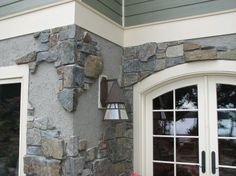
[155,81]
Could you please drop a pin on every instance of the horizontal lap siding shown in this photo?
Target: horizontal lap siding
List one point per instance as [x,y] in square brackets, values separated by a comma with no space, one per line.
[110,8]
[147,11]
[9,7]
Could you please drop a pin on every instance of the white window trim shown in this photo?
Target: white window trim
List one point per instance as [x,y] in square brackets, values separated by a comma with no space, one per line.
[143,88]
[19,74]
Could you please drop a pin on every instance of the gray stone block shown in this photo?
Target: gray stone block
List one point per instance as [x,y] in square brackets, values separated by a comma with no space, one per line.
[53,147]
[66,51]
[131,65]
[83,145]
[33,137]
[174,61]
[175,51]
[146,51]
[93,66]
[34,150]
[72,147]
[198,55]
[44,37]
[74,166]
[102,167]
[31,57]
[149,65]
[227,55]
[68,99]
[92,154]
[160,64]
[51,133]
[130,79]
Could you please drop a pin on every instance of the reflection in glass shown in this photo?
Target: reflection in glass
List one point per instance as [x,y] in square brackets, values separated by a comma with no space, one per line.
[164,101]
[163,123]
[163,149]
[227,152]
[186,98]
[160,169]
[186,123]
[187,170]
[227,123]
[227,172]
[187,150]
[226,96]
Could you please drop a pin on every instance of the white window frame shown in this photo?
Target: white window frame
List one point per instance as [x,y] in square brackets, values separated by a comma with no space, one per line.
[155,81]
[19,74]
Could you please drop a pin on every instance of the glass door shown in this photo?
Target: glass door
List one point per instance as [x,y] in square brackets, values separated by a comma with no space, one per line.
[191,128]
[223,132]
[177,138]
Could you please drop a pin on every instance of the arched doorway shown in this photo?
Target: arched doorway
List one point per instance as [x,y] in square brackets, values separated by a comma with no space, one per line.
[185,121]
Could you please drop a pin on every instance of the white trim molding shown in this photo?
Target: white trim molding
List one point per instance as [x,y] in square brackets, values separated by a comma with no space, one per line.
[69,12]
[144,88]
[40,19]
[19,74]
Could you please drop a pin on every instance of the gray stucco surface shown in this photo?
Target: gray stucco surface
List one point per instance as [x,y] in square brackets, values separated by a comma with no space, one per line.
[14,48]
[88,119]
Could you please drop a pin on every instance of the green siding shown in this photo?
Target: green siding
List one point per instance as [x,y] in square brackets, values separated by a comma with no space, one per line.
[110,8]
[22,5]
[8,2]
[147,11]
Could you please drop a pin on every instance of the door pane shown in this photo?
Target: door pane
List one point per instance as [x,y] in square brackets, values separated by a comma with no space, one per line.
[160,169]
[227,172]
[227,152]
[226,96]
[187,170]
[186,123]
[163,149]
[186,98]
[163,123]
[164,101]
[187,150]
[227,123]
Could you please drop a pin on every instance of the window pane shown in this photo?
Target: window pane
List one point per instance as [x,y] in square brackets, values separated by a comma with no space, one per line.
[186,123]
[163,149]
[187,150]
[227,123]
[227,152]
[160,169]
[227,172]
[186,98]
[163,123]
[186,170]
[164,101]
[226,96]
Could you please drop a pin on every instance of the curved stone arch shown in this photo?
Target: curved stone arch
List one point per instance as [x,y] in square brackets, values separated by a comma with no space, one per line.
[143,88]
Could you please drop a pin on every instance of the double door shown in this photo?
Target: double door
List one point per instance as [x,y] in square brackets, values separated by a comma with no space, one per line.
[191,128]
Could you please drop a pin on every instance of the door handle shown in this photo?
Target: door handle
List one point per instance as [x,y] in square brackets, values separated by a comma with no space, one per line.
[213,162]
[203,162]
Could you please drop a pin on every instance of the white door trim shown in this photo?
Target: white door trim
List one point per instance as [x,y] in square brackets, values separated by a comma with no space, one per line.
[19,74]
[143,88]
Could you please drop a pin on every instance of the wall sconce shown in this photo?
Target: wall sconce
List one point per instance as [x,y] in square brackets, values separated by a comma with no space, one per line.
[114,102]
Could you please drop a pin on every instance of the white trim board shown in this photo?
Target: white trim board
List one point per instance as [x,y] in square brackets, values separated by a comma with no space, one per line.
[19,74]
[76,12]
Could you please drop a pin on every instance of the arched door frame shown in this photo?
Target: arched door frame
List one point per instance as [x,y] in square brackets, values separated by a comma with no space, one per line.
[143,88]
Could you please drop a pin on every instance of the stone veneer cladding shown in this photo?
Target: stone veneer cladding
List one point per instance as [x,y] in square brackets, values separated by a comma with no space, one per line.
[78,62]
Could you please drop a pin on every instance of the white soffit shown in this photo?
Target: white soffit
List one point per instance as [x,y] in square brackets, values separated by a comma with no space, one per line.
[48,17]
[180,29]
[69,12]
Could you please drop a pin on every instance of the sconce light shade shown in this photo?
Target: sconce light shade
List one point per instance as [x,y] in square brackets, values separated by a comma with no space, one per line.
[115,104]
